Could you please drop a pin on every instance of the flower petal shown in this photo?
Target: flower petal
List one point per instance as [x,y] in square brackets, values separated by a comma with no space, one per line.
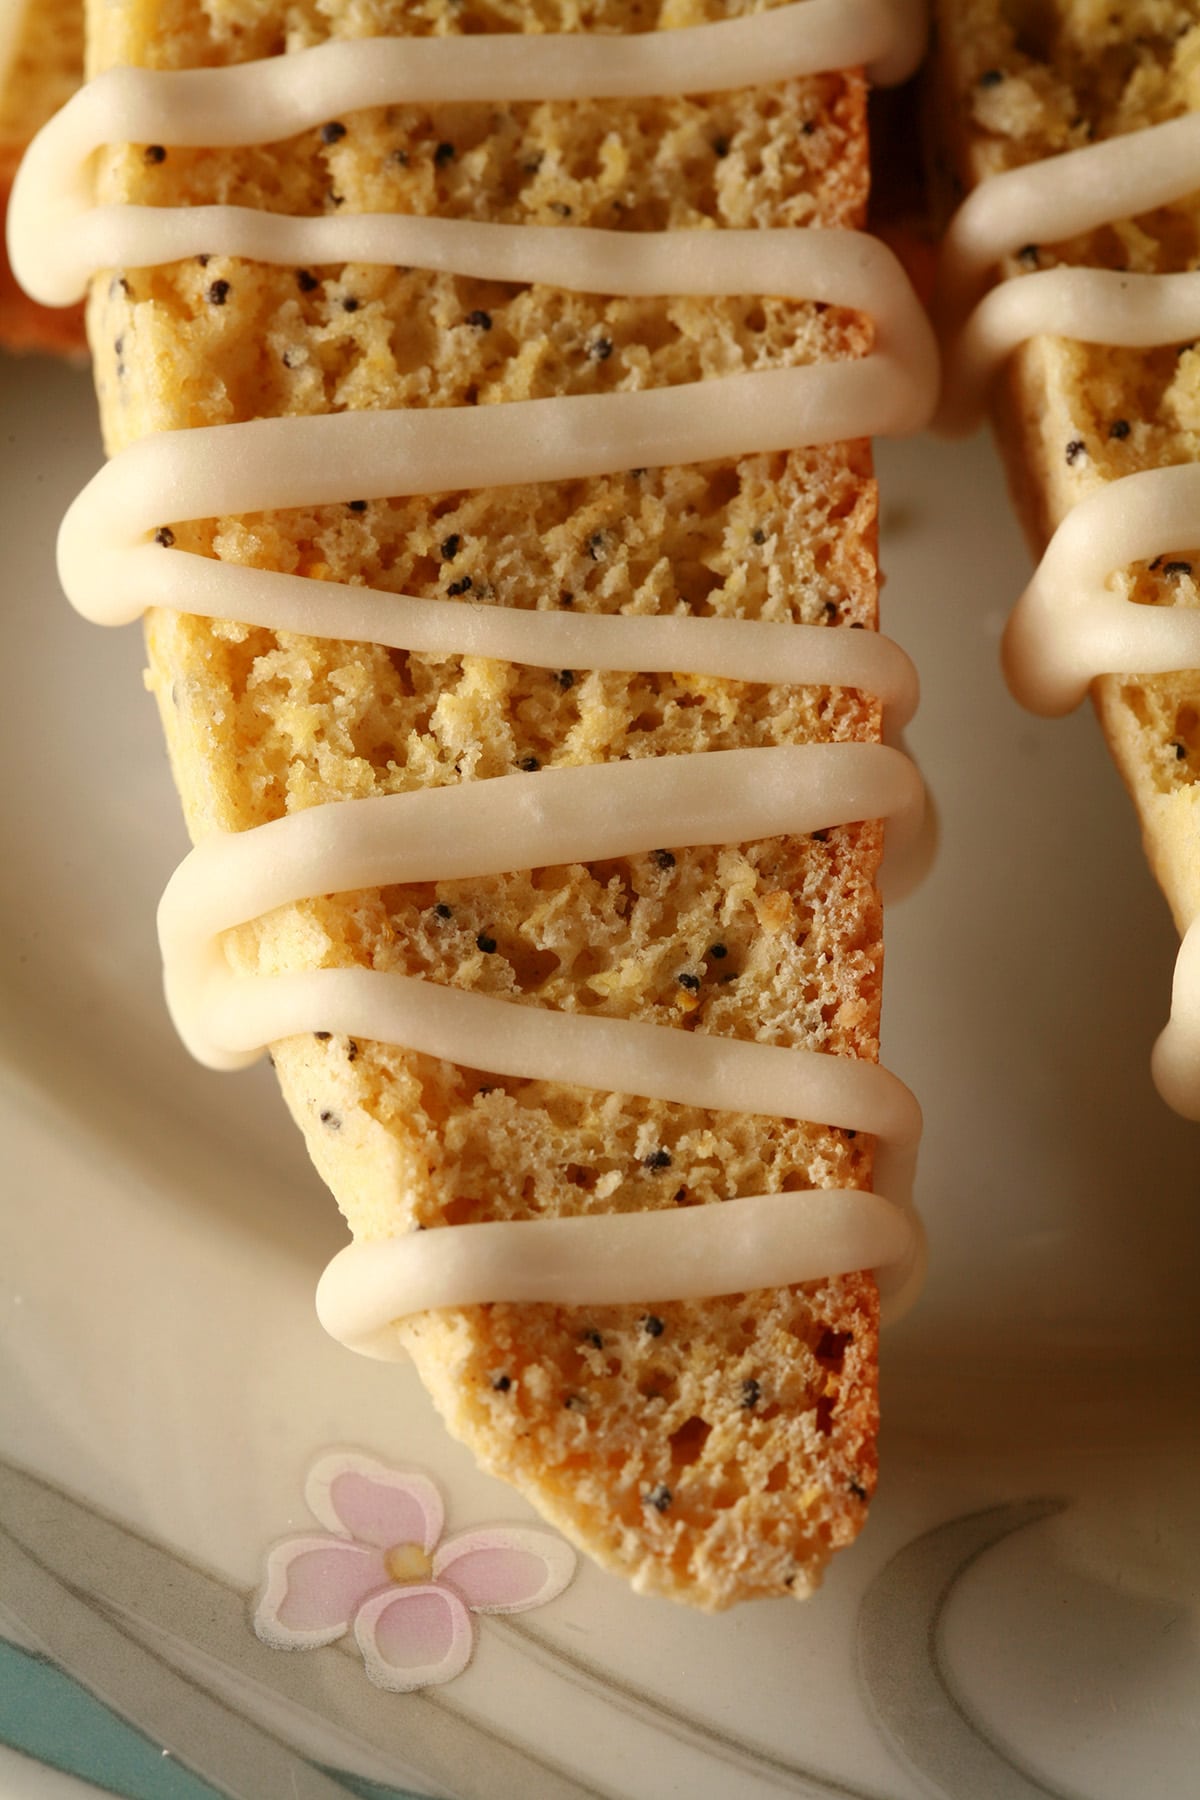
[314,1586]
[359,1497]
[505,1568]
[414,1637]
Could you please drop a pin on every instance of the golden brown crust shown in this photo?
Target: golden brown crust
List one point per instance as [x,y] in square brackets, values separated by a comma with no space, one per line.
[726,1449]
[44,72]
[26,326]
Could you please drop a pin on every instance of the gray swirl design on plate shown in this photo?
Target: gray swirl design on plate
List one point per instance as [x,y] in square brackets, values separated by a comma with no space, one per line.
[188,1670]
[904,1672]
[737,1753]
[98,1596]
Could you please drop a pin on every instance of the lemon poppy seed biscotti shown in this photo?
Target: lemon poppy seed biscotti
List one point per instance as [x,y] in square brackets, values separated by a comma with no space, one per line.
[710,1450]
[1072,134]
[41,63]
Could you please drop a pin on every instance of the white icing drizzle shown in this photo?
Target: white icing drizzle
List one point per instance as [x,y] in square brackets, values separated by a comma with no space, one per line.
[1069,627]
[758,1241]
[1091,306]
[113,568]
[530,1043]
[736,649]
[1176,1060]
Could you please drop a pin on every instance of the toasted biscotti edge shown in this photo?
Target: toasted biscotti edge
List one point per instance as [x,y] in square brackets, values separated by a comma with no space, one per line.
[1056,401]
[44,69]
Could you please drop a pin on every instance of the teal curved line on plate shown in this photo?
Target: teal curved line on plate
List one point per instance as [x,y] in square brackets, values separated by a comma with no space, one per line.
[902,1667]
[248,1762]
[49,1716]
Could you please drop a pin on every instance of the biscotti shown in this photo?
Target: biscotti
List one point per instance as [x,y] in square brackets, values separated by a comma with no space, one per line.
[1075,139]
[712,1448]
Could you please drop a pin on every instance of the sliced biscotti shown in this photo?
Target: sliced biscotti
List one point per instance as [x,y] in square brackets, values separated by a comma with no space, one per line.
[41,63]
[709,1452]
[1073,416]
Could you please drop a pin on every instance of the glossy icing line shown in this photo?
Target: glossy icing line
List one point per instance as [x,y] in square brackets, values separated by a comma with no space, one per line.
[1176,1060]
[1062,197]
[1091,306]
[758,1241]
[1069,627]
[753,650]
[116,560]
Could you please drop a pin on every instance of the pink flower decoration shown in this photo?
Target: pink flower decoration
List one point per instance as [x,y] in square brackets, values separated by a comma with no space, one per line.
[380,1568]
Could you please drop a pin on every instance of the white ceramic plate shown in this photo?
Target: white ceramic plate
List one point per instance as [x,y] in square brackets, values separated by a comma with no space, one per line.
[1020,1616]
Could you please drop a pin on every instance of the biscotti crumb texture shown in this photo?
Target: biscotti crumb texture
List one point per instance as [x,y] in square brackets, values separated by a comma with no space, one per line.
[708,1452]
[41,65]
[1073,416]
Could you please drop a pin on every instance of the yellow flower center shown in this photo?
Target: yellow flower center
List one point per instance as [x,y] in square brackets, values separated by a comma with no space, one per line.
[407,1563]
